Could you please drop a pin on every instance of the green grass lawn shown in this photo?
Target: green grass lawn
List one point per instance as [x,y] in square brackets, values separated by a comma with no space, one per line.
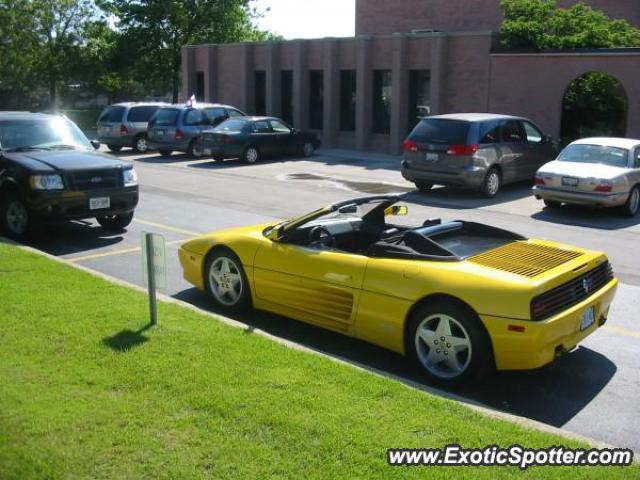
[85,394]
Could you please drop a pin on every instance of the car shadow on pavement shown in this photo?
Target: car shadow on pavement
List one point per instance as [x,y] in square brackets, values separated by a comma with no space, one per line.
[74,237]
[553,394]
[599,218]
[458,198]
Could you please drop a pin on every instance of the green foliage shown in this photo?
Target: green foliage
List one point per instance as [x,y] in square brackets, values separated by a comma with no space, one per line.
[87,392]
[540,25]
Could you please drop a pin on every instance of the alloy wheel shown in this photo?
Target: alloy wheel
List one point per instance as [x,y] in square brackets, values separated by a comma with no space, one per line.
[17,217]
[443,346]
[493,183]
[634,201]
[308,149]
[225,281]
[252,155]
[141,145]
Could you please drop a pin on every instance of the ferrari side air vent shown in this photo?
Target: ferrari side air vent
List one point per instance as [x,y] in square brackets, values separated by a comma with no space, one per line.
[524,258]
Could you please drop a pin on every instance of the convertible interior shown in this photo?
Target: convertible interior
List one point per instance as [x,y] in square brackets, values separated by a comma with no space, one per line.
[372,236]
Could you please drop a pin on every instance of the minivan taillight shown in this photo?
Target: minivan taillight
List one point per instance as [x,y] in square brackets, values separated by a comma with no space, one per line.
[539,180]
[124,130]
[463,149]
[410,146]
[179,135]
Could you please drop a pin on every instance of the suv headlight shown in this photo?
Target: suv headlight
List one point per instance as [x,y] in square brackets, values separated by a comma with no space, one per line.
[46,182]
[130,177]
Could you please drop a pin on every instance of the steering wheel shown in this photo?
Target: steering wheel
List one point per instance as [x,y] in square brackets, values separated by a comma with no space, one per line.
[319,235]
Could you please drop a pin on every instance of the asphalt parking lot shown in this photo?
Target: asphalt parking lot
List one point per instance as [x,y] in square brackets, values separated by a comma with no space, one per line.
[593,391]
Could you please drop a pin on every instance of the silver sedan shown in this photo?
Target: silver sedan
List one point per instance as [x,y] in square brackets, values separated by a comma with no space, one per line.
[601,172]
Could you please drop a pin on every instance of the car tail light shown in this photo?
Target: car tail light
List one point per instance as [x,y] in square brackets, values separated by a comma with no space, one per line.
[463,149]
[124,130]
[179,135]
[539,180]
[604,188]
[410,146]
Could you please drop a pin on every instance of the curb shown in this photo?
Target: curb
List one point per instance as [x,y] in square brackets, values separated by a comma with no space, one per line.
[472,404]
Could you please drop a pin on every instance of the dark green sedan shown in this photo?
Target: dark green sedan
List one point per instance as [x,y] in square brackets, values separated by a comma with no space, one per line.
[252,138]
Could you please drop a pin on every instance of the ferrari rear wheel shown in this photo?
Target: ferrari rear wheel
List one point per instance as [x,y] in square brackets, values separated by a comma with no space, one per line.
[226,281]
[446,341]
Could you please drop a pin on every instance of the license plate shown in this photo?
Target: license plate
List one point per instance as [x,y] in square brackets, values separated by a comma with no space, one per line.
[207,151]
[588,319]
[160,133]
[107,129]
[99,203]
[432,157]
[570,181]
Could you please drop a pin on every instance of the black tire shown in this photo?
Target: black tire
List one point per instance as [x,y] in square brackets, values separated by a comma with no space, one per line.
[492,183]
[251,154]
[632,207]
[165,153]
[552,204]
[227,301]
[114,148]
[115,223]
[423,186]
[140,143]
[17,221]
[477,359]
[308,149]
[218,158]
[194,150]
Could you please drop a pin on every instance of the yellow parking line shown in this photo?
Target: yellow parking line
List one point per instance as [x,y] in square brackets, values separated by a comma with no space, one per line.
[124,251]
[167,227]
[622,331]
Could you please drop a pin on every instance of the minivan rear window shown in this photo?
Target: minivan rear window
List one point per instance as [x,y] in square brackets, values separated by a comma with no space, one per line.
[439,130]
[165,117]
[141,114]
[111,114]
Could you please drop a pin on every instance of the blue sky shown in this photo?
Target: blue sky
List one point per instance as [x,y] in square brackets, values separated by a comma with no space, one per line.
[308,18]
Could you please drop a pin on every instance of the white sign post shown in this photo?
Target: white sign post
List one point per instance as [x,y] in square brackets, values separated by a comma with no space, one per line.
[154,268]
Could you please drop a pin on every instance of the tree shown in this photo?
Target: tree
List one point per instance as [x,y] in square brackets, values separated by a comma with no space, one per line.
[156,30]
[540,25]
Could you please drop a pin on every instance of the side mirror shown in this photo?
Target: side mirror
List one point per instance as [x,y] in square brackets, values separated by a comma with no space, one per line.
[396,211]
[95,144]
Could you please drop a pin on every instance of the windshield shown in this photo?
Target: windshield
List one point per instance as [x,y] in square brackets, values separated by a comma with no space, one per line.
[41,133]
[580,153]
[233,125]
[165,117]
[436,130]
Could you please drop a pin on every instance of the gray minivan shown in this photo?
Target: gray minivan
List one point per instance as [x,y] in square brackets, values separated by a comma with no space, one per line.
[177,127]
[475,150]
[125,125]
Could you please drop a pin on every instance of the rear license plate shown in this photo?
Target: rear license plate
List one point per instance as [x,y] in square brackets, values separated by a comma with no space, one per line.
[588,318]
[99,203]
[432,157]
[160,133]
[570,181]
[207,151]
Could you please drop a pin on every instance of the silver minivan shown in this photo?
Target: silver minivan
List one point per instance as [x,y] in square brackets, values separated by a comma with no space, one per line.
[125,125]
[475,150]
[178,127]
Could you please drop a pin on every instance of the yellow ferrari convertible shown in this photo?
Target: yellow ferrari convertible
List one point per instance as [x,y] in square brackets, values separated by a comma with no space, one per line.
[458,298]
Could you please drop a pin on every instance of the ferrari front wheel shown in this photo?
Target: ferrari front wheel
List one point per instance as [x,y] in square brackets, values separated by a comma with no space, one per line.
[447,342]
[226,281]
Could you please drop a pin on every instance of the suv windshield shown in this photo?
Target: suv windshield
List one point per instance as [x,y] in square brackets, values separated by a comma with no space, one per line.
[438,130]
[45,133]
[165,117]
[614,156]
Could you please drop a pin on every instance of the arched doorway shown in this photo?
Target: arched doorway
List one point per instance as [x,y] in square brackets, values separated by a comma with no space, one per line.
[594,104]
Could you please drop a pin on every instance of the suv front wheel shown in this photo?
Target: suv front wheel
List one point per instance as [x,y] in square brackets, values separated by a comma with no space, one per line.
[16,219]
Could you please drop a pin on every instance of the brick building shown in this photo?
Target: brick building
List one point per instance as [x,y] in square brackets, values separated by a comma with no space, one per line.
[408,58]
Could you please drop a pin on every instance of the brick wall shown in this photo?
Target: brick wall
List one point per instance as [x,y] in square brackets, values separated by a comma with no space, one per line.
[376,17]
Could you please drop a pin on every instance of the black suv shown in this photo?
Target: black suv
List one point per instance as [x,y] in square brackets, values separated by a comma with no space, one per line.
[49,171]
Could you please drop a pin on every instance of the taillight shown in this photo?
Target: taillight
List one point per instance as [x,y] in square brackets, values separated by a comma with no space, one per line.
[179,134]
[539,180]
[124,130]
[463,149]
[410,146]
[604,188]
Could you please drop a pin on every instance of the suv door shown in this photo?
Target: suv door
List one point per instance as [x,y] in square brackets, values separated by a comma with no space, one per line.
[539,150]
[512,151]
